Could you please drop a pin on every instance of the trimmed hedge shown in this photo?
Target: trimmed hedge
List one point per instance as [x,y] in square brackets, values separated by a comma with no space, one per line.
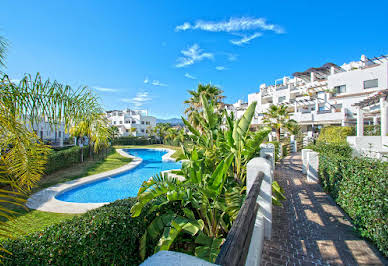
[104,236]
[63,158]
[68,157]
[335,134]
[359,186]
[132,140]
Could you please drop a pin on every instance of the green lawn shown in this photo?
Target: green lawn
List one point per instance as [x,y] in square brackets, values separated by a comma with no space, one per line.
[28,221]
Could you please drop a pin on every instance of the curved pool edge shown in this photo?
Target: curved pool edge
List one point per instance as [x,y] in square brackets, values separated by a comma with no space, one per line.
[45,200]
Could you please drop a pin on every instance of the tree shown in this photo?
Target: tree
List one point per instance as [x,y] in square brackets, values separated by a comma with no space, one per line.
[211,93]
[23,155]
[213,188]
[161,131]
[278,118]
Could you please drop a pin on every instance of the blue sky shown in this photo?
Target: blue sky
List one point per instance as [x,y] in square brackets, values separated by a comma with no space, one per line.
[147,54]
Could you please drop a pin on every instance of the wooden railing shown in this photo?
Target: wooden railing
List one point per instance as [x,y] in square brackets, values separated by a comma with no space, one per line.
[235,249]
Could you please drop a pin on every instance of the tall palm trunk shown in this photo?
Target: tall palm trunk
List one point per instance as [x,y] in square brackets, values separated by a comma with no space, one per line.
[278,134]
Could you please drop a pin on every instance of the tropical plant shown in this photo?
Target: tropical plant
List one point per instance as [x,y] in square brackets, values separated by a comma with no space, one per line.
[278,118]
[201,199]
[195,105]
[213,189]
[23,106]
[161,130]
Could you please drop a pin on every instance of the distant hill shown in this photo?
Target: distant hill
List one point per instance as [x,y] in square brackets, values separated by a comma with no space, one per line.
[172,121]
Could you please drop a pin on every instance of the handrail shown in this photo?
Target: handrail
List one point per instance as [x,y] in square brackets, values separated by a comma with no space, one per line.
[235,249]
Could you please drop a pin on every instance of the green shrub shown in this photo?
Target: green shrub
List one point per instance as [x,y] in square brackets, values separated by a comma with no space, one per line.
[132,140]
[359,186]
[335,134]
[342,149]
[63,158]
[104,236]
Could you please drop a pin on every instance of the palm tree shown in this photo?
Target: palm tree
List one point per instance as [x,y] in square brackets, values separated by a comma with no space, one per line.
[23,155]
[211,92]
[161,130]
[278,118]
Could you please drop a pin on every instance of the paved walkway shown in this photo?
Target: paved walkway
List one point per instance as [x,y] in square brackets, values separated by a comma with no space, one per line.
[310,229]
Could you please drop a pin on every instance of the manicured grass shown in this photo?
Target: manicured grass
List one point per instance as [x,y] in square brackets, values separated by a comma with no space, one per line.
[28,221]
[178,150]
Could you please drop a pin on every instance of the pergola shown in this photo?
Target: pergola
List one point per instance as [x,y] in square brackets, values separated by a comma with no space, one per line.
[380,98]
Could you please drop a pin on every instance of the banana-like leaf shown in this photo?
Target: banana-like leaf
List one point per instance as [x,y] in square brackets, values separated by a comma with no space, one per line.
[218,177]
[210,247]
[240,131]
[191,128]
[277,194]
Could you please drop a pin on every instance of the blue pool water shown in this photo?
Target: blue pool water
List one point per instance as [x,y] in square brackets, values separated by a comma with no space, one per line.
[122,185]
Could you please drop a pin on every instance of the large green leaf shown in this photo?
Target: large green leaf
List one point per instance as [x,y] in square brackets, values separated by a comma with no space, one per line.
[240,131]
[210,247]
[219,175]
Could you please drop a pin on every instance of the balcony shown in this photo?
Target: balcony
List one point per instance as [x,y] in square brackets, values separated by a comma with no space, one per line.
[318,117]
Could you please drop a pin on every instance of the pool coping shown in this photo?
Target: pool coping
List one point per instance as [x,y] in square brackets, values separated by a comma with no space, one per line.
[45,200]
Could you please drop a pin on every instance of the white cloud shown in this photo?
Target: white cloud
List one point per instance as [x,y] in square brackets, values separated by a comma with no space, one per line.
[139,100]
[232,25]
[231,57]
[191,55]
[146,80]
[105,89]
[220,68]
[246,39]
[187,75]
[158,83]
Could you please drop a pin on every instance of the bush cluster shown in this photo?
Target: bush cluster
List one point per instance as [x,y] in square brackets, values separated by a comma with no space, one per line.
[59,159]
[132,140]
[335,134]
[63,158]
[104,236]
[359,186]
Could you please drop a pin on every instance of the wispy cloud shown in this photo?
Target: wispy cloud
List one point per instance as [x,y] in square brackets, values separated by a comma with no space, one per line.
[231,57]
[220,68]
[146,80]
[158,83]
[231,25]
[105,89]
[246,39]
[139,100]
[187,75]
[191,55]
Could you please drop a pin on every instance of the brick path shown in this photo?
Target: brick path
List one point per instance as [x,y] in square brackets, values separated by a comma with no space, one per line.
[310,229]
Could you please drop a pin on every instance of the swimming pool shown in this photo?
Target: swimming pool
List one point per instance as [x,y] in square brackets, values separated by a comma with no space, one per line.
[122,185]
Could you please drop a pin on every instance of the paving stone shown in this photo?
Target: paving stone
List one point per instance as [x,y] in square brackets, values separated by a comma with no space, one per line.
[310,229]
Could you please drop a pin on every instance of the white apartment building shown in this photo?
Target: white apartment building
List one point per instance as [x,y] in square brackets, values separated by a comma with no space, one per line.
[326,95]
[55,135]
[132,122]
[237,108]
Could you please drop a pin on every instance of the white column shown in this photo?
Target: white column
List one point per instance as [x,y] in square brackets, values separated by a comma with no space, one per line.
[312,77]
[295,107]
[384,116]
[360,122]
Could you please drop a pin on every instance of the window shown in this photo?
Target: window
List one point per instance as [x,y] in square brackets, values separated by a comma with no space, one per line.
[121,122]
[127,122]
[133,122]
[321,109]
[339,89]
[281,99]
[142,122]
[59,133]
[114,122]
[142,130]
[372,83]
[148,122]
[127,130]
